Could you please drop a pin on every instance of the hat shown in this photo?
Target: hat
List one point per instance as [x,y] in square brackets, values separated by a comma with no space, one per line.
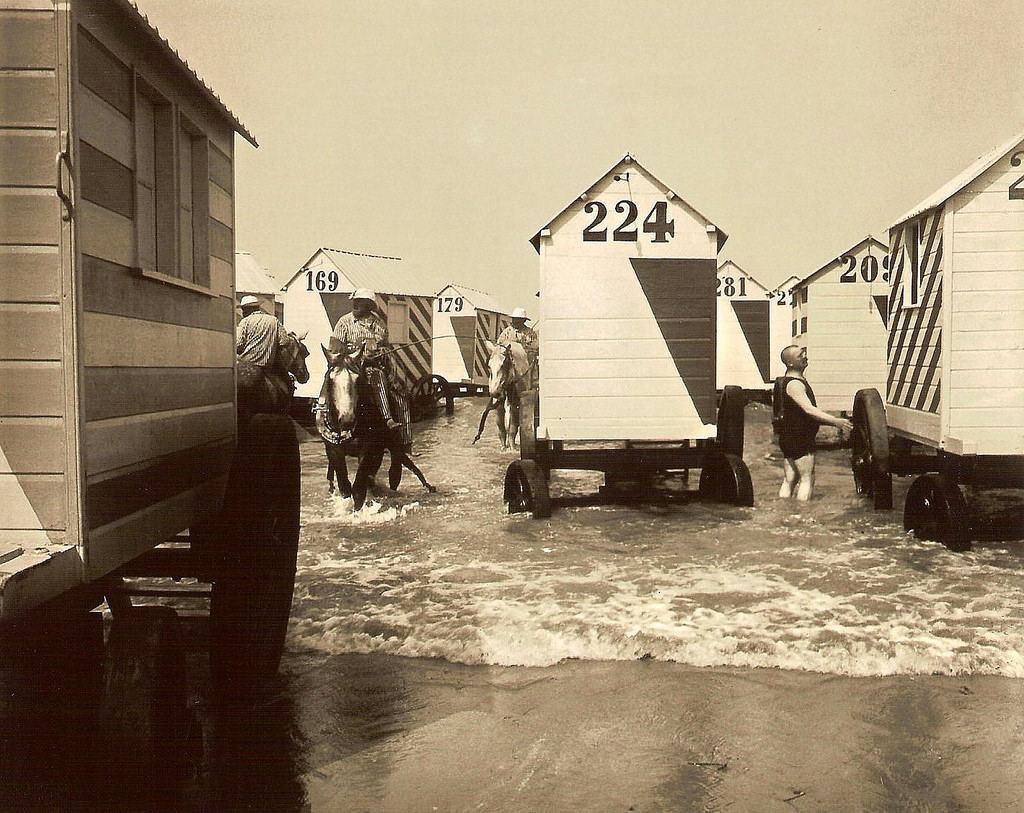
[519,313]
[363,293]
[249,301]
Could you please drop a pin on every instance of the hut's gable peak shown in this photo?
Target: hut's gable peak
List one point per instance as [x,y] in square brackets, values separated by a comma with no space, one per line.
[617,174]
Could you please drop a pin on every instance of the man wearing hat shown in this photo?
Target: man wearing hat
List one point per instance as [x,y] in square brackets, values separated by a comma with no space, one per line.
[258,334]
[364,326]
[527,337]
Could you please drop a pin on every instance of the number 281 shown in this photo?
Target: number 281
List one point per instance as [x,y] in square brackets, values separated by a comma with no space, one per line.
[656,223]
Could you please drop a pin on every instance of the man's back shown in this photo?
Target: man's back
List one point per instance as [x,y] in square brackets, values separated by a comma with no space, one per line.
[257,338]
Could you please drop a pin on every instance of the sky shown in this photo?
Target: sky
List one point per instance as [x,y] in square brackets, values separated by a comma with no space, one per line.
[449,133]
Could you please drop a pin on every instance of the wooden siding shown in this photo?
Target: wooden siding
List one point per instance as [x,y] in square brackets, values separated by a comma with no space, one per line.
[634,316]
[985,305]
[34,437]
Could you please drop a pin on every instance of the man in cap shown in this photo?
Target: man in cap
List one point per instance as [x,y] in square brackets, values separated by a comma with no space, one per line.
[364,326]
[526,336]
[258,334]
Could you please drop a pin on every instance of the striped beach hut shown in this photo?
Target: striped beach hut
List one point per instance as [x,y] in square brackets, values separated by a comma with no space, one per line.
[628,313]
[252,279]
[744,329]
[839,314]
[463,319]
[955,346]
[117,381]
[317,296]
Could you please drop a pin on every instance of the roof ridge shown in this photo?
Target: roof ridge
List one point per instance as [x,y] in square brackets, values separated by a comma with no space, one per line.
[359,253]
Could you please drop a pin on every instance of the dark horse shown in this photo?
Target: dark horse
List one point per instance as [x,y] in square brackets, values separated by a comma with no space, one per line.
[350,422]
[269,389]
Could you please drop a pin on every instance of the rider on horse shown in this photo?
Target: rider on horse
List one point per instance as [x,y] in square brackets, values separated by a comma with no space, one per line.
[259,337]
[363,326]
[527,337]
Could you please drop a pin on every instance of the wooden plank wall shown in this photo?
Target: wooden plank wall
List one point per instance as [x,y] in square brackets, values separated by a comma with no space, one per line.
[415,359]
[34,500]
[157,357]
[986,303]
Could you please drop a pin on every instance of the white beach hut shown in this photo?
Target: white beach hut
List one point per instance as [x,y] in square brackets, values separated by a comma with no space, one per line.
[463,319]
[744,329]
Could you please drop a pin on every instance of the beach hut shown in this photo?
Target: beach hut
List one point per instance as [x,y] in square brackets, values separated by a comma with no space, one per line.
[955,360]
[463,319]
[317,296]
[744,330]
[117,379]
[839,315]
[252,279]
[781,321]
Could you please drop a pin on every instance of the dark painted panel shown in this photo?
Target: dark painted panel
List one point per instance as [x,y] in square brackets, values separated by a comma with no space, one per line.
[753,318]
[103,73]
[222,244]
[221,172]
[105,181]
[31,389]
[111,392]
[118,497]
[464,328]
[33,445]
[682,294]
[114,289]
[48,498]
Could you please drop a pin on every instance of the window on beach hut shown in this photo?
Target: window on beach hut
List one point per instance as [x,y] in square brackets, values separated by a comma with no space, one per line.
[398,322]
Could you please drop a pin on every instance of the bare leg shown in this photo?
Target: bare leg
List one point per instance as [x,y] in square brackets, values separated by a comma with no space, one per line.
[790,477]
[805,485]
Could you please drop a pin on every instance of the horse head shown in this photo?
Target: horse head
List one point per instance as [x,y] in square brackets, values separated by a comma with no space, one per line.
[500,368]
[292,354]
[341,386]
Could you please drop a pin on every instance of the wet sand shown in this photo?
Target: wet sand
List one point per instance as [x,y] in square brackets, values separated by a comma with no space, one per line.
[381,733]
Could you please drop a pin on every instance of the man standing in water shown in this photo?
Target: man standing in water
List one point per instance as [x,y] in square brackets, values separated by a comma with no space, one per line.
[527,337]
[796,418]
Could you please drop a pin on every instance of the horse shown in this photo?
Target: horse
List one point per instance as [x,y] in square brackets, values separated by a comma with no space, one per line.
[269,389]
[350,422]
[508,372]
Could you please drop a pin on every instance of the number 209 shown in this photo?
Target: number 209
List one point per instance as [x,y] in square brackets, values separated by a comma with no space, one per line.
[656,223]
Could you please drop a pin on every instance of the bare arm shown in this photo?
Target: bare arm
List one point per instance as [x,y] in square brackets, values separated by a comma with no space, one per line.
[798,392]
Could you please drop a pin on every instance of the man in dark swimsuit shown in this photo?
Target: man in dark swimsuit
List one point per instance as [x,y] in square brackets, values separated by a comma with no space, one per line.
[797,423]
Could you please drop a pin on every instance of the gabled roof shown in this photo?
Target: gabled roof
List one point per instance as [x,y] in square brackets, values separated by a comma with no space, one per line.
[634,164]
[951,187]
[743,271]
[153,34]
[379,273]
[251,277]
[478,299]
[873,241]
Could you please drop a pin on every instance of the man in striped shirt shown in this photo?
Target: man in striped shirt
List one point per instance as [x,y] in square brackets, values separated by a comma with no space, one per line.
[258,334]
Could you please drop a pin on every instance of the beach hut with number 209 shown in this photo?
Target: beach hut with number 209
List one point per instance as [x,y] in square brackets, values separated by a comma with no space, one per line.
[954,395]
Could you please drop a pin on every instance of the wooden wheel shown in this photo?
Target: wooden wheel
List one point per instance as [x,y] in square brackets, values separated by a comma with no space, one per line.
[528,424]
[144,715]
[730,420]
[526,489]
[726,478]
[257,537]
[869,449]
[936,510]
[429,396]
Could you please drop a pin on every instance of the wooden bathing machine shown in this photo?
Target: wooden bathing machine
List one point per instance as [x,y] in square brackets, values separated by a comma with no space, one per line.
[745,314]
[463,319]
[839,314]
[954,396]
[117,397]
[628,348]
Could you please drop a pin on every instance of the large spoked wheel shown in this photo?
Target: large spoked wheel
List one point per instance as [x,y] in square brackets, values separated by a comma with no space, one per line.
[936,510]
[726,478]
[869,449]
[429,396]
[144,713]
[730,420]
[256,537]
[528,424]
[526,489]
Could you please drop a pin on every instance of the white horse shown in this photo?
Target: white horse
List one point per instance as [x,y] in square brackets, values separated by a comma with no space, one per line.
[508,374]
